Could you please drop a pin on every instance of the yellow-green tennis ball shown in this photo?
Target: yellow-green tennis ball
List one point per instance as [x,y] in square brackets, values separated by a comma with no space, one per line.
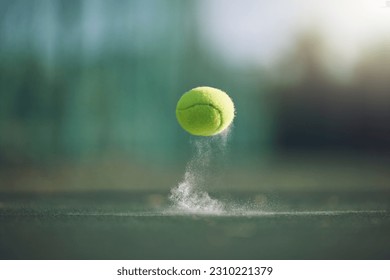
[205,111]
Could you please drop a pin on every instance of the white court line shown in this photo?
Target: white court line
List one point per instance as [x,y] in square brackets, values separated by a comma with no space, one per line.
[175,213]
[227,213]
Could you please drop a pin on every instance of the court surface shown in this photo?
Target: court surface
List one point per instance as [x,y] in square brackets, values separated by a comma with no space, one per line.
[143,225]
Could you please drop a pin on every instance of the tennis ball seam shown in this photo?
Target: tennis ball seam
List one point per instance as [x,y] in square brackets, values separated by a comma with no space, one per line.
[205,104]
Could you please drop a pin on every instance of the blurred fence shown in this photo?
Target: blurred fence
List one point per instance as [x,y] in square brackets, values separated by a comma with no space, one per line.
[84,78]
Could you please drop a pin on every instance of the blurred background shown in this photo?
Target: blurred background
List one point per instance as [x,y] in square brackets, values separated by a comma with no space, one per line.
[88,90]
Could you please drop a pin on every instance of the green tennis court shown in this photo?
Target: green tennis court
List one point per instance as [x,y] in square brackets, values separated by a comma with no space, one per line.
[122,225]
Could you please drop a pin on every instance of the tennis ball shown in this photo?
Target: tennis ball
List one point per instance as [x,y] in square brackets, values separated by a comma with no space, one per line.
[205,111]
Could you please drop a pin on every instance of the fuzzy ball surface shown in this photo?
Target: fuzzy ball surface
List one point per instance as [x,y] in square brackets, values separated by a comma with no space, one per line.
[205,111]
